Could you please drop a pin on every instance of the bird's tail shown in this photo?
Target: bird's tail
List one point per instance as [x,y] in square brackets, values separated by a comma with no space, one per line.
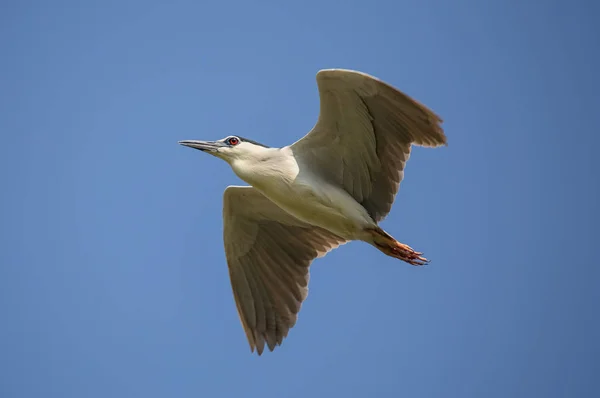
[390,246]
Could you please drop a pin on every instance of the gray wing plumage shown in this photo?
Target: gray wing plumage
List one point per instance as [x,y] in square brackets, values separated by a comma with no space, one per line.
[363,136]
[268,254]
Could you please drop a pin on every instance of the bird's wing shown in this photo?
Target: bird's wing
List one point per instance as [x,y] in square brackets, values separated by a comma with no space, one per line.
[363,137]
[268,254]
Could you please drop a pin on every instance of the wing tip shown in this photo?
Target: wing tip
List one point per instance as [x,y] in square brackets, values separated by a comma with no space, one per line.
[360,80]
[259,345]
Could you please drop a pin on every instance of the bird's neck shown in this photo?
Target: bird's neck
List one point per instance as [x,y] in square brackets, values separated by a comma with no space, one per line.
[266,168]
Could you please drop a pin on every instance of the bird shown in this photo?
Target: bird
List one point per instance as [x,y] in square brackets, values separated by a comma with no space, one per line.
[332,186]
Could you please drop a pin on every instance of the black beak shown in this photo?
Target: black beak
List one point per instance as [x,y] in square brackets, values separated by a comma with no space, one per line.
[205,146]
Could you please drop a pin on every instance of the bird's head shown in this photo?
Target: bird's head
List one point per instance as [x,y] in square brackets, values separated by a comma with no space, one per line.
[229,148]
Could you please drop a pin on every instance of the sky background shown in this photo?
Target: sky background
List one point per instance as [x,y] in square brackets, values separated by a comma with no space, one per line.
[113,280]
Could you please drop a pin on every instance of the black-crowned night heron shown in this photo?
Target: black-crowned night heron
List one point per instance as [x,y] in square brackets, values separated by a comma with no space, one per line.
[332,186]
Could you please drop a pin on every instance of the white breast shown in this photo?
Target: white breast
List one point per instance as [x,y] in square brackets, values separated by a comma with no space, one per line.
[304,195]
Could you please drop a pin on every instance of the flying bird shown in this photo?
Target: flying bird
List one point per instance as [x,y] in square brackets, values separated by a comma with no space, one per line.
[332,186]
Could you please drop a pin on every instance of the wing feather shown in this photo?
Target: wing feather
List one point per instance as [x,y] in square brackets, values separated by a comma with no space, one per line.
[268,254]
[363,136]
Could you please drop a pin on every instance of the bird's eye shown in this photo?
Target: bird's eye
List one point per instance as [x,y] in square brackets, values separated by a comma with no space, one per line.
[233,141]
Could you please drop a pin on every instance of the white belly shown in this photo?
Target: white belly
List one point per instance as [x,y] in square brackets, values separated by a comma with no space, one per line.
[304,195]
[326,206]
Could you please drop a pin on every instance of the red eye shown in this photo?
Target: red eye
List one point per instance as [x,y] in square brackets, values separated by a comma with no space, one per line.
[233,141]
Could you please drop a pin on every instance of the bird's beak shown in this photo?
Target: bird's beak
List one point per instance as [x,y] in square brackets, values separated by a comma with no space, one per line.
[205,146]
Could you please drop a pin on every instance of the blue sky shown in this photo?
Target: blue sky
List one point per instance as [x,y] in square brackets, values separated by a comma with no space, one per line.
[113,281]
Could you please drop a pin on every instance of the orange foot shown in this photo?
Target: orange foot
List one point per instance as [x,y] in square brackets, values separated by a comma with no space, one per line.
[403,252]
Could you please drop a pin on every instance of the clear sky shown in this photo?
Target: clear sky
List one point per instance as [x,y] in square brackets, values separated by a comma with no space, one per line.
[113,280]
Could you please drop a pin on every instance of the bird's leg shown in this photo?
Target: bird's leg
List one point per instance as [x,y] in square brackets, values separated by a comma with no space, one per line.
[390,246]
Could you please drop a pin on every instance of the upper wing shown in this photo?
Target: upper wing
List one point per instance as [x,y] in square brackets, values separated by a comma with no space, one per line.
[268,253]
[363,137]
